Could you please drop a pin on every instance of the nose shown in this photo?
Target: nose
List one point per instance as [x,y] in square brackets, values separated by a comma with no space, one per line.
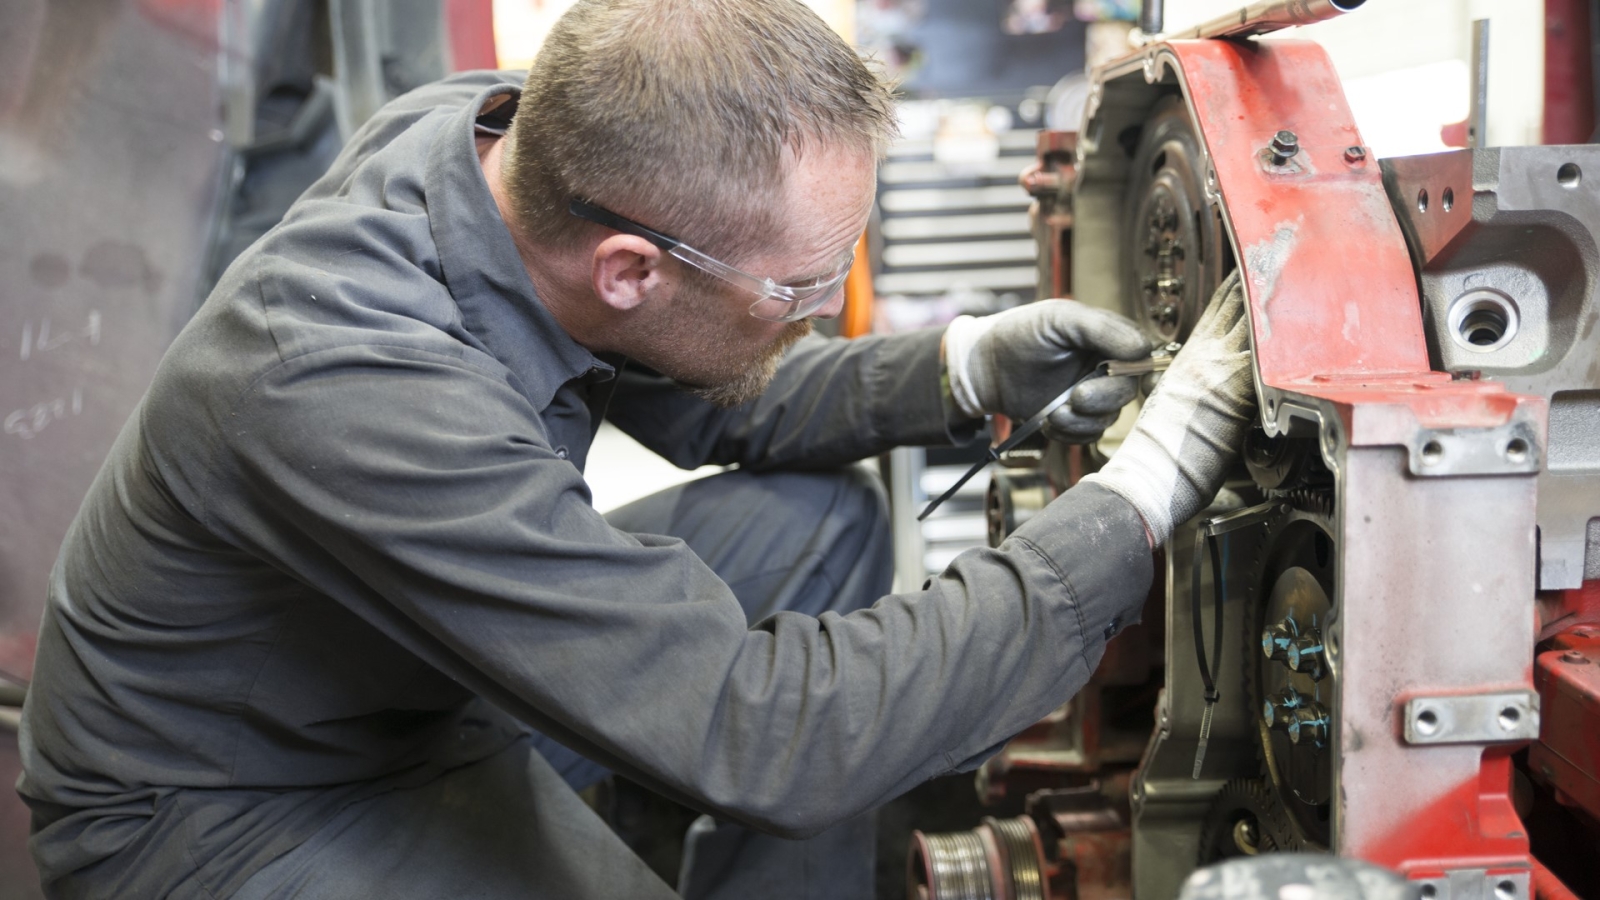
[833,307]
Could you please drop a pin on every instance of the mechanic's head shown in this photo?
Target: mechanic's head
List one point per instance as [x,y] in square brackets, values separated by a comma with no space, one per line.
[746,129]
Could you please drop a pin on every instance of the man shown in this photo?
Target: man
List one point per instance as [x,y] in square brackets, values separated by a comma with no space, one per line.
[342,559]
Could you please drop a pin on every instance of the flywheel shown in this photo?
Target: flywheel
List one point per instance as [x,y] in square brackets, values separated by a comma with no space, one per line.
[1288,671]
[1177,248]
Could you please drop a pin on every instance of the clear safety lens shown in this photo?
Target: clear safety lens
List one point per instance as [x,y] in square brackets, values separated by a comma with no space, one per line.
[774,302]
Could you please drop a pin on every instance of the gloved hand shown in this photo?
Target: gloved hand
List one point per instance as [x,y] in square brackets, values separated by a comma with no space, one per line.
[1017,361]
[1191,428]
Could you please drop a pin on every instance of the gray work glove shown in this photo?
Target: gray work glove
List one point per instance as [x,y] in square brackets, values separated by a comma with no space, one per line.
[1016,362]
[1173,463]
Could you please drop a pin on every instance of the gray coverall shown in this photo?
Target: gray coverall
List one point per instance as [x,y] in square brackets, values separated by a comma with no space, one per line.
[342,558]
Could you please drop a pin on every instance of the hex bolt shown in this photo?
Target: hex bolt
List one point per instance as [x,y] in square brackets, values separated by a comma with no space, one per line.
[1275,639]
[1284,145]
[1574,657]
[1278,710]
[1309,725]
[1355,155]
[1304,655]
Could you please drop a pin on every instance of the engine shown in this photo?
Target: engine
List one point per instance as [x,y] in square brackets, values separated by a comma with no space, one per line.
[1382,641]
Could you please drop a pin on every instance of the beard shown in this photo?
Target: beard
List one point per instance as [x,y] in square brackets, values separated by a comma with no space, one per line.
[720,361]
[751,382]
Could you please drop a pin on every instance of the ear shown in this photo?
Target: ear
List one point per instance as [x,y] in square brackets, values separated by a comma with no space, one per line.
[627,271]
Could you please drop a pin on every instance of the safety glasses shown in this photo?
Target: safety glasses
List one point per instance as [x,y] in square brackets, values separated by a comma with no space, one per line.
[774,302]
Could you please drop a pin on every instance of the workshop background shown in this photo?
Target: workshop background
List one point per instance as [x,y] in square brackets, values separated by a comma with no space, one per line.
[144,143]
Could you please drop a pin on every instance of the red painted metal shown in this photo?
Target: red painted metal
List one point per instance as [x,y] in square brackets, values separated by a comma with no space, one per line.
[1336,316]
[1049,182]
[1471,827]
[1321,228]
[1568,73]
[1567,756]
[470,25]
[1332,292]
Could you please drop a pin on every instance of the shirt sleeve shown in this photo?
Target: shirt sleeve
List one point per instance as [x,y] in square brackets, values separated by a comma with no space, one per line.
[832,401]
[421,494]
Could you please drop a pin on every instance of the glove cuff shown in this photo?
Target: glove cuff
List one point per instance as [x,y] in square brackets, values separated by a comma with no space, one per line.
[1146,499]
[960,336]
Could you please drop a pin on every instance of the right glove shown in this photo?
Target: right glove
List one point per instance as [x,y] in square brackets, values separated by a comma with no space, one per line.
[1190,430]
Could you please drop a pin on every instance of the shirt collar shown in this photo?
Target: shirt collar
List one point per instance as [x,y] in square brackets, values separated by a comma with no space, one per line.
[482,269]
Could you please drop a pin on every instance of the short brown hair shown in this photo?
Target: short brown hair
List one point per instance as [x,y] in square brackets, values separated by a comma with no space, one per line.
[677,112]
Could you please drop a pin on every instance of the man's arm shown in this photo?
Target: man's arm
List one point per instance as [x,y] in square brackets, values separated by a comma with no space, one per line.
[418,493]
[832,402]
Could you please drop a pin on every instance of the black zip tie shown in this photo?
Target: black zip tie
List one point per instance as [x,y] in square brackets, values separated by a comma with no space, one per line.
[1205,539]
[1021,433]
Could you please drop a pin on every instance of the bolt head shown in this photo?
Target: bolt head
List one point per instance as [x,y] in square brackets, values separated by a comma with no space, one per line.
[1355,154]
[1574,657]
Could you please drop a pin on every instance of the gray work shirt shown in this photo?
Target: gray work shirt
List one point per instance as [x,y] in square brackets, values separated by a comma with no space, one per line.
[353,498]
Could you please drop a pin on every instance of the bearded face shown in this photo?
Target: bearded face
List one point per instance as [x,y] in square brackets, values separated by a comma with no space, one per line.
[706,339]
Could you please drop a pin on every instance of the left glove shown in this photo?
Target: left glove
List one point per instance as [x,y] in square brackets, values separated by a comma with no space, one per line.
[1015,362]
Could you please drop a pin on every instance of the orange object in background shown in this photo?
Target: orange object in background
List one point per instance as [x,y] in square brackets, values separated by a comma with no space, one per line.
[856,319]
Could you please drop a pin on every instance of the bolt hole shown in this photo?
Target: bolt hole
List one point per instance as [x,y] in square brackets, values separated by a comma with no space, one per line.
[1506,889]
[1432,452]
[1422,200]
[1448,199]
[1509,717]
[1483,321]
[1428,722]
[1517,450]
[1569,175]
[1429,892]
[1483,327]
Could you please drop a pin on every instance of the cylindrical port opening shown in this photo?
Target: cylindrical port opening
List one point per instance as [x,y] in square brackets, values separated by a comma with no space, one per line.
[1483,321]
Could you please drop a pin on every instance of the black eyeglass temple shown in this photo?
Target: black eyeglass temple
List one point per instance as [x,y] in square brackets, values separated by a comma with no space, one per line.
[602,216]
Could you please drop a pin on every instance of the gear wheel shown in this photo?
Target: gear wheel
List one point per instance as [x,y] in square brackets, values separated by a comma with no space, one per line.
[1246,819]
[1293,579]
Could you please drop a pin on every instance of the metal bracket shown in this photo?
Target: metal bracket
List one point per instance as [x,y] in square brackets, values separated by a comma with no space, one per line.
[1510,449]
[1473,719]
[1476,884]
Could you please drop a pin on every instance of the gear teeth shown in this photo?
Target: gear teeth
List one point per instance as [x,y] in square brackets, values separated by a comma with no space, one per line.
[1310,500]
[1256,798]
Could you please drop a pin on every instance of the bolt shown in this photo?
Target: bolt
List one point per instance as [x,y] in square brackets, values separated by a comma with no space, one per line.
[1309,725]
[1284,145]
[1355,156]
[1574,657]
[1277,710]
[1304,655]
[1275,640]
